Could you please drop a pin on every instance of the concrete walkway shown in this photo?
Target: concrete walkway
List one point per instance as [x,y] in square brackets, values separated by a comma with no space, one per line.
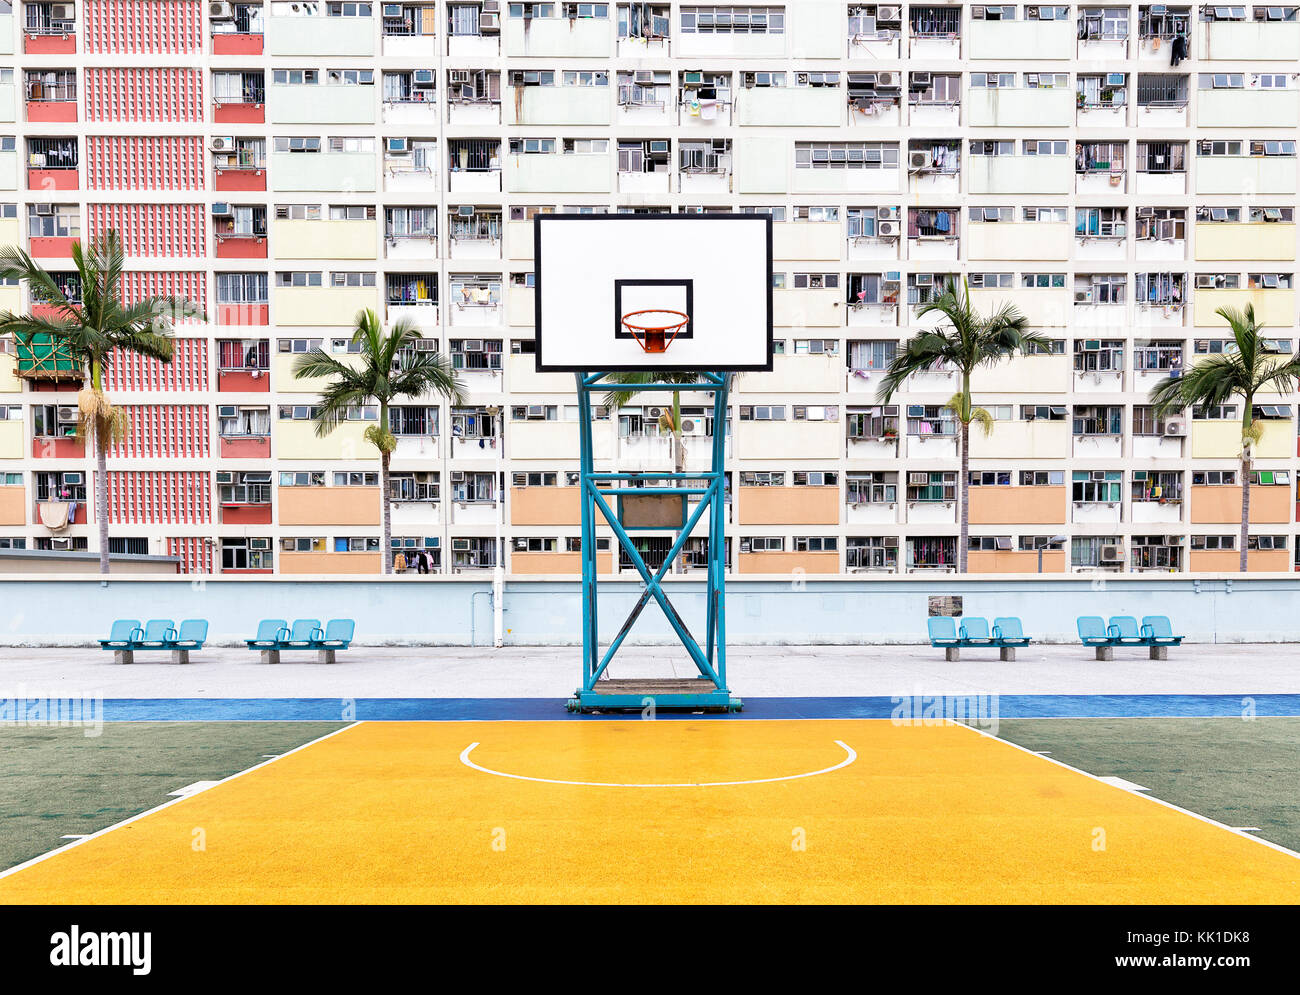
[552,672]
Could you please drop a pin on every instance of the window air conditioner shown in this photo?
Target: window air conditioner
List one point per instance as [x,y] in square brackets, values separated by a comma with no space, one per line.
[921,81]
[44,210]
[457,476]
[920,477]
[473,345]
[74,478]
[925,279]
[643,76]
[1175,427]
[225,477]
[423,76]
[692,79]
[460,545]
[489,23]
[62,12]
[392,10]
[1204,280]
[459,75]
[227,411]
[221,210]
[259,543]
[465,211]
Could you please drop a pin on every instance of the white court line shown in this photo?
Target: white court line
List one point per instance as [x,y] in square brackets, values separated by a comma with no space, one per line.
[175,801]
[1137,794]
[851,756]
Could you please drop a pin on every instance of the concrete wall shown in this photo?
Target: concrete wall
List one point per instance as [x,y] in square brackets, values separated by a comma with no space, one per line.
[451,611]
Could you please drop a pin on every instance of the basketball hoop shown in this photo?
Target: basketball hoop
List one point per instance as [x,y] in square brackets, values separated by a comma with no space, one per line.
[655,328]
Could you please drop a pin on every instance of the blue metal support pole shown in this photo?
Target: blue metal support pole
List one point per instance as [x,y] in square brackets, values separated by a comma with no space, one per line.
[595,488]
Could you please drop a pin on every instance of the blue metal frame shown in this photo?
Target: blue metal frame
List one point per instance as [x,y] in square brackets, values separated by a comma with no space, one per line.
[711,660]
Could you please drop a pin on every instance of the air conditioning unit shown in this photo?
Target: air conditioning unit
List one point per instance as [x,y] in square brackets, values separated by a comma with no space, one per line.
[423,76]
[220,12]
[887,229]
[259,544]
[1083,297]
[916,477]
[643,76]
[655,413]
[692,426]
[44,210]
[888,81]
[457,476]
[1173,540]
[459,75]
[74,478]
[222,143]
[921,81]
[225,477]
[62,11]
[392,10]
[1146,212]
[692,79]
[398,146]
[221,211]
[1204,280]
[489,23]
[888,13]
[916,161]
[460,546]
[67,412]
[1112,554]
[924,279]
[1175,427]
[473,345]
[465,211]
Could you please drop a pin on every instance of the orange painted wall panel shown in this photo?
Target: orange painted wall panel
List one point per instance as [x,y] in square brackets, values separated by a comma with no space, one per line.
[782,563]
[788,506]
[1018,506]
[329,506]
[545,506]
[1269,504]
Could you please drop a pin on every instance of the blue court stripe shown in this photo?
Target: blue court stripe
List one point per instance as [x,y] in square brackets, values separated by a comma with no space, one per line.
[1017,706]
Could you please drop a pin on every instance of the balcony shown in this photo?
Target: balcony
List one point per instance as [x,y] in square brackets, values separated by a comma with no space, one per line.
[229,245]
[54,37]
[1020,107]
[1044,39]
[243,380]
[51,96]
[782,106]
[1246,108]
[295,239]
[239,112]
[1263,174]
[321,36]
[237,43]
[565,37]
[320,104]
[555,173]
[580,105]
[246,446]
[323,171]
[1247,41]
[1019,174]
[1272,240]
[43,179]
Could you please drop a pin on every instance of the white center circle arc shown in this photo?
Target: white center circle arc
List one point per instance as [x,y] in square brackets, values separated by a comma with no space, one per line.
[849,757]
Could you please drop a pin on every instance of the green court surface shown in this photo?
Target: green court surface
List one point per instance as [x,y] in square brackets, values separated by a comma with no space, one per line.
[1240,773]
[59,782]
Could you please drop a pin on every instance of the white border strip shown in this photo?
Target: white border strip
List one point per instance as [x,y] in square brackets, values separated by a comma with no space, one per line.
[168,804]
[851,756]
[1137,794]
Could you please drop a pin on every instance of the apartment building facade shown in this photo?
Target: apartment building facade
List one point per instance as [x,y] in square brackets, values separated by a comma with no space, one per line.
[288,163]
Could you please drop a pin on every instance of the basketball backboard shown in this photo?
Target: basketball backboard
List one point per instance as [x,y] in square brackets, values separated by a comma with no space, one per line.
[592,270]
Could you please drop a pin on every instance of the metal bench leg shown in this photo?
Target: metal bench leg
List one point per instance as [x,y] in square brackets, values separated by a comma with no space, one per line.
[1159,652]
[325,656]
[1105,652]
[952,654]
[270,656]
[123,656]
[1008,653]
[180,656]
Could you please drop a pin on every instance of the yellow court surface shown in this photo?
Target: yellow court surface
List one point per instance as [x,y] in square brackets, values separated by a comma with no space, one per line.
[827,810]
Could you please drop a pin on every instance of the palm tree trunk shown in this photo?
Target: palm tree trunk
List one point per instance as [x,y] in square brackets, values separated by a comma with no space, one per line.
[386,541]
[1248,420]
[101,493]
[100,443]
[963,491]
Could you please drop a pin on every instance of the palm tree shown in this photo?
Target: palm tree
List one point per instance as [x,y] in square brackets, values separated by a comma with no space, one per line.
[389,370]
[669,421]
[1244,372]
[972,340]
[92,330]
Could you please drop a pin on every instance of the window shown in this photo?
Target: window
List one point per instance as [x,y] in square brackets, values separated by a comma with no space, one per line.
[1161,90]
[1214,478]
[762,478]
[872,354]
[871,553]
[1215,412]
[1096,551]
[239,422]
[413,420]
[1160,289]
[298,278]
[416,486]
[1098,419]
[1157,486]
[762,412]
[1161,157]
[244,487]
[733,20]
[926,486]
[874,487]
[1100,288]
[246,554]
[816,544]
[1042,478]
[1156,553]
[846,155]
[1097,487]
[875,422]
[990,478]
[1146,422]
[60,485]
[1098,355]
[932,552]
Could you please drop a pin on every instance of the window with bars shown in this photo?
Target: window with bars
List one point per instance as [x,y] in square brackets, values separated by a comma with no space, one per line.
[411,289]
[871,553]
[931,486]
[932,552]
[1098,419]
[1157,486]
[876,422]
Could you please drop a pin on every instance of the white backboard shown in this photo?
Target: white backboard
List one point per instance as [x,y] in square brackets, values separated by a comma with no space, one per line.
[591,269]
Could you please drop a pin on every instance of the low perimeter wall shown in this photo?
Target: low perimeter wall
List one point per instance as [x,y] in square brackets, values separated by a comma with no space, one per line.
[775,611]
